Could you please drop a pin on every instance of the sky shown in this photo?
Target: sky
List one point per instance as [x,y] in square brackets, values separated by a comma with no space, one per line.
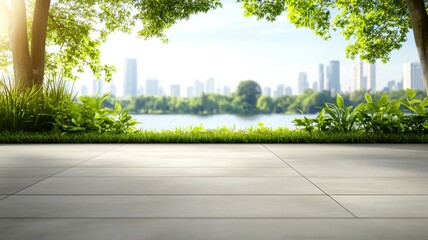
[228,47]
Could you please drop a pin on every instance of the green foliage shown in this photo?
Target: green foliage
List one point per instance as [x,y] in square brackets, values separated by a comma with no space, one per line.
[32,109]
[77,28]
[248,92]
[265,104]
[375,28]
[219,135]
[52,108]
[90,116]
[376,115]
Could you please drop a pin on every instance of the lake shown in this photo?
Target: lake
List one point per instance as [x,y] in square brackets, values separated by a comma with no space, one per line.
[172,121]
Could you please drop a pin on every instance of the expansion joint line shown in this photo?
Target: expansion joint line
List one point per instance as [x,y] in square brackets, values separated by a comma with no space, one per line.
[307,179]
[53,175]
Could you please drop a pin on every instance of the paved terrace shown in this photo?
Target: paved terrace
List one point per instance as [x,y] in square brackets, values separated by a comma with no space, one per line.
[185,192]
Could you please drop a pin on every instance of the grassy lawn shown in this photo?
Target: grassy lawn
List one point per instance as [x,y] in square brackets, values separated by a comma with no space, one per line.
[212,136]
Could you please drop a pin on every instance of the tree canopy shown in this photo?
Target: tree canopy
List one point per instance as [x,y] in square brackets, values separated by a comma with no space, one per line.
[75,29]
[373,28]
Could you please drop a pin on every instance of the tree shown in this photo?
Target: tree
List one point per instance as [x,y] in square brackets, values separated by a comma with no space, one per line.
[76,28]
[375,27]
[265,104]
[249,92]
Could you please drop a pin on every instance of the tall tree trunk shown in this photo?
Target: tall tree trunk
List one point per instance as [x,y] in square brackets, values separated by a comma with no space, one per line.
[38,42]
[22,67]
[419,21]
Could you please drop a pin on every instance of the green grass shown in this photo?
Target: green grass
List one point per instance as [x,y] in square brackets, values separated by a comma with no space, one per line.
[211,136]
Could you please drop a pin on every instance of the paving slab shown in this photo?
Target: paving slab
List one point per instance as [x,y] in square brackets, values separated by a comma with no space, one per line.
[189,163]
[37,148]
[174,185]
[178,172]
[391,206]
[324,167]
[214,229]
[132,206]
[11,185]
[24,172]
[212,191]
[373,185]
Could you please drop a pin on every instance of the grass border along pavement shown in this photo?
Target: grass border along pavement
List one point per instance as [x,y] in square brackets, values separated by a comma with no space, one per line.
[212,136]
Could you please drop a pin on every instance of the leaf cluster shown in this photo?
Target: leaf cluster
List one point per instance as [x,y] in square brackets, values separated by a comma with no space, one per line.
[373,116]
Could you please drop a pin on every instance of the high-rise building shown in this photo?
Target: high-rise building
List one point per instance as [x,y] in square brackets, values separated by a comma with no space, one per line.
[302,82]
[321,77]
[359,82]
[315,86]
[288,91]
[391,86]
[400,85]
[199,87]
[333,76]
[279,91]
[226,90]
[190,92]
[267,91]
[209,85]
[364,77]
[218,89]
[130,78]
[152,87]
[371,77]
[412,76]
[175,90]
[97,87]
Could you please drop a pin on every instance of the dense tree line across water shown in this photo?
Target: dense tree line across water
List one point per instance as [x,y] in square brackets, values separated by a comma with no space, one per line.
[308,102]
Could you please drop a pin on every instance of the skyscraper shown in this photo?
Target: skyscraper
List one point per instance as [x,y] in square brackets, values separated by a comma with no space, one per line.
[288,91]
[359,83]
[302,82]
[371,77]
[412,76]
[364,77]
[199,87]
[152,87]
[333,76]
[175,90]
[209,85]
[321,77]
[279,91]
[315,86]
[130,79]
[97,87]
[190,92]
[267,91]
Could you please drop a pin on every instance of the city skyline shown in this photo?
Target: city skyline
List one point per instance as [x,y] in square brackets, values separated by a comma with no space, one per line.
[232,48]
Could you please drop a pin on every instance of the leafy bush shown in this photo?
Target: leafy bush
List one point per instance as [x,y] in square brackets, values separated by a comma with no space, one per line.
[32,109]
[373,116]
[51,108]
[89,115]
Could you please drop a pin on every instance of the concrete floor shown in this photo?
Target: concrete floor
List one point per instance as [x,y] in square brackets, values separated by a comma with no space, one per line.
[78,192]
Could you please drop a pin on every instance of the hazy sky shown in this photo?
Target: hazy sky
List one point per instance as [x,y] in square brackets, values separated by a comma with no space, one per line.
[224,45]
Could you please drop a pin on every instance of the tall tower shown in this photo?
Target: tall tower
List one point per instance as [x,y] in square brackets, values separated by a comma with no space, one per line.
[199,88]
[130,78]
[302,82]
[152,87]
[175,90]
[359,81]
[321,77]
[333,76]
[371,77]
[209,85]
[412,76]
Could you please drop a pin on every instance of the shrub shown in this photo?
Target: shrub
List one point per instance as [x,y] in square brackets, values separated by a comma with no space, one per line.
[373,116]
